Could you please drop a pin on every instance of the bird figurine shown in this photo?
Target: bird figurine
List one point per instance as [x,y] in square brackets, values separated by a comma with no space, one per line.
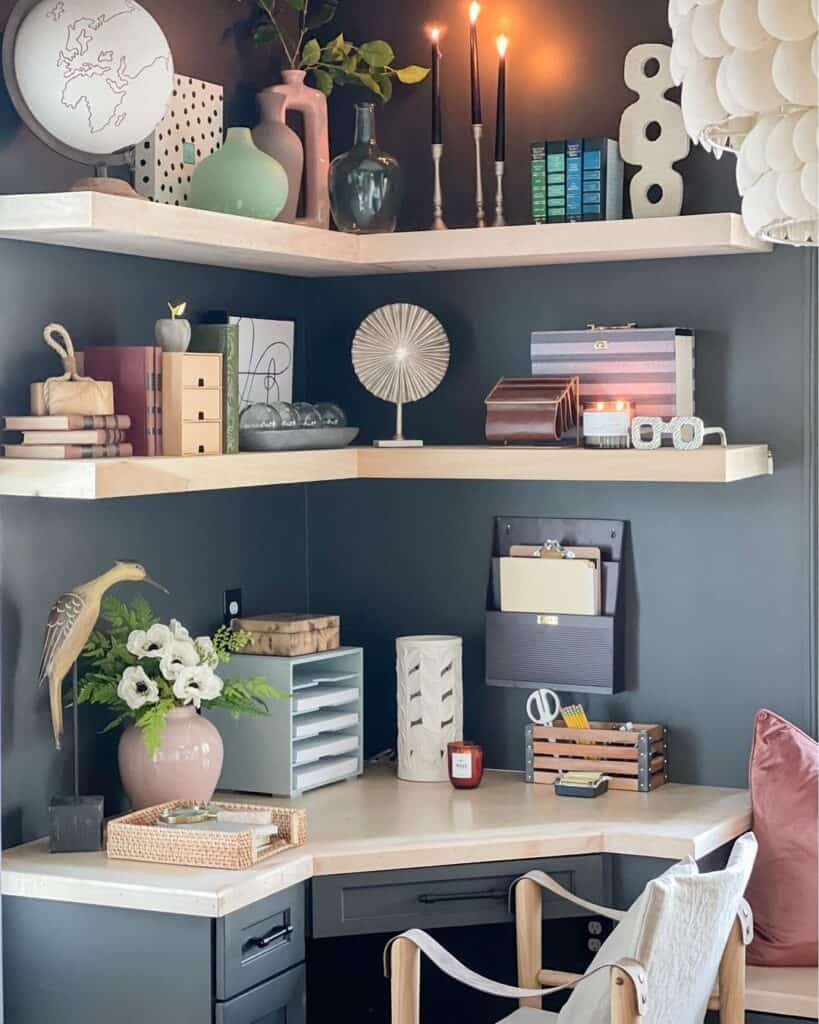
[70,624]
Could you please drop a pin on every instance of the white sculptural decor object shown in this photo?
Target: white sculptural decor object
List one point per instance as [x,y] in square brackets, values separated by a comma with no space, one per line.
[430,704]
[90,78]
[748,70]
[400,354]
[652,133]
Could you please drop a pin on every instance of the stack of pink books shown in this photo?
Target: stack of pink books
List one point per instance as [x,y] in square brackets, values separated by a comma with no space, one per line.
[69,437]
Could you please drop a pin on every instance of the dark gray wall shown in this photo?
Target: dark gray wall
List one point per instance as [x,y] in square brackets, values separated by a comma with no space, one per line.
[196,545]
[718,591]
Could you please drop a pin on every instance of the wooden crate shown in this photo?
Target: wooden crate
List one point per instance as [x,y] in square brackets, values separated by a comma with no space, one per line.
[635,760]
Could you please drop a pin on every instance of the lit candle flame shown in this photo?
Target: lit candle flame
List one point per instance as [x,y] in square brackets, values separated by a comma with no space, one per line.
[474,11]
[503,44]
[434,33]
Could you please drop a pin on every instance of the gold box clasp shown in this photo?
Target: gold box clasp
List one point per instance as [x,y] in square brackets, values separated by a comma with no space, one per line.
[548,620]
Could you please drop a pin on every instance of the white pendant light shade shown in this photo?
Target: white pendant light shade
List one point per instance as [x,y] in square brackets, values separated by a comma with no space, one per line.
[750,78]
[706,33]
[755,146]
[806,136]
[740,25]
[810,184]
[760,207]
[746,175]
[749,71]
[787,19]
[791,197]
[683,48]
[780,154]
[700,103]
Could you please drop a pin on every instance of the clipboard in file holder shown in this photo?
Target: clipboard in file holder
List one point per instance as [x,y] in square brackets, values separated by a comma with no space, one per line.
[577,653]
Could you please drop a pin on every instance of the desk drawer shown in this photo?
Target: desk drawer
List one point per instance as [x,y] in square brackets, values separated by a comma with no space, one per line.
[279,1001]
[463,894]
[259,941]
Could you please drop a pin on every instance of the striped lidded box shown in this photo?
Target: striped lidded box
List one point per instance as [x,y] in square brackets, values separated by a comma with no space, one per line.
[652,366]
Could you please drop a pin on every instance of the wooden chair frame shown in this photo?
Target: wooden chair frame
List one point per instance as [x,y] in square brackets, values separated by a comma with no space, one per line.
[402,963]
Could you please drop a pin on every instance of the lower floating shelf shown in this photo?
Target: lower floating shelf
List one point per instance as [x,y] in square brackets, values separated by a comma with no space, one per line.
[121,478]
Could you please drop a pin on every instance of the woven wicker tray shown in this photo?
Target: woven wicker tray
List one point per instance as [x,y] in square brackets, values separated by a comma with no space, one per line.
[138,837]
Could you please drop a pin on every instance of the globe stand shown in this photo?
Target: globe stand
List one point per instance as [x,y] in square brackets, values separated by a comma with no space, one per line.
[106,185]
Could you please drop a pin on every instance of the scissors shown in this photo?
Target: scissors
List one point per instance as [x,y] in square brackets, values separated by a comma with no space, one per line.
[539,709]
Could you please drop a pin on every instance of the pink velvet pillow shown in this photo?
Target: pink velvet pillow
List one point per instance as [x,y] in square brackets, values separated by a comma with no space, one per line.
[784,780]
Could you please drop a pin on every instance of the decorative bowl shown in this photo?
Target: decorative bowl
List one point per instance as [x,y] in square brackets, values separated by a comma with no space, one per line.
[300,439]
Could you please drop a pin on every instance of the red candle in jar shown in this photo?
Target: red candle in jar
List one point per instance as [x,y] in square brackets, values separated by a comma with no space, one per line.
[465,762]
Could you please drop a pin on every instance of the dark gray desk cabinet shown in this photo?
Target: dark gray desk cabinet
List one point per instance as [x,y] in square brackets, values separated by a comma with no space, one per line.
[80,964]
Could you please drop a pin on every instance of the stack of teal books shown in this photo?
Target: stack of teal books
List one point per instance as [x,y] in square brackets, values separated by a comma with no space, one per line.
[576,180]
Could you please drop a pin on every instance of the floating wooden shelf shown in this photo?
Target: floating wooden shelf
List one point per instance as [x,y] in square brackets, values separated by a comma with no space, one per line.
[120,478]
[88,220]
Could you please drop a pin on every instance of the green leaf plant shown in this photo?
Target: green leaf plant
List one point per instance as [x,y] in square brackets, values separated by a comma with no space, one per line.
[293,24]
[159,659]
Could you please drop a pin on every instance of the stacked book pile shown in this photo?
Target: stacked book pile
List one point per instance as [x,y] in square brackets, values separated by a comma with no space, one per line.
[576,180]
[69,437]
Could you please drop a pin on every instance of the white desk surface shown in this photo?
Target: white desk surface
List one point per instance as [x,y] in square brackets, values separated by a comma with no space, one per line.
[378,823]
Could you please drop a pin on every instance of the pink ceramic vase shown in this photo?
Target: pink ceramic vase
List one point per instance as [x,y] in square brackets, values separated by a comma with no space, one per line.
[312,105]
[187,765]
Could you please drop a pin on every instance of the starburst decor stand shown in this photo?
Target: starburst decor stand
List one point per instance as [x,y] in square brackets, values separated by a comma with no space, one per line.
[400,354]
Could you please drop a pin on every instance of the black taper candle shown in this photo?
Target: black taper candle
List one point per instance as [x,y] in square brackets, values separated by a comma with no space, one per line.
[437,130]
[474,64]
[500,129]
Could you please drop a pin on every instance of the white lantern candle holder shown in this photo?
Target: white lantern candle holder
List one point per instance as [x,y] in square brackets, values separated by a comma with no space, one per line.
[430,704]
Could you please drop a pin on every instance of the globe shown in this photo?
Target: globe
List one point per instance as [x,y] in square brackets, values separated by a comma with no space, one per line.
[90,77]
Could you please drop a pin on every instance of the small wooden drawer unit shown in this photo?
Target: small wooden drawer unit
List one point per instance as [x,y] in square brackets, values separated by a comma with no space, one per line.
[192,403]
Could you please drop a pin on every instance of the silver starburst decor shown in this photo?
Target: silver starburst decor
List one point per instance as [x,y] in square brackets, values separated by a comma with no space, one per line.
[400,354]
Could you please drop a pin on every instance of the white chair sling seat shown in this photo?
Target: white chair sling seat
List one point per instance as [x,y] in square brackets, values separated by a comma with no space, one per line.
[669,944]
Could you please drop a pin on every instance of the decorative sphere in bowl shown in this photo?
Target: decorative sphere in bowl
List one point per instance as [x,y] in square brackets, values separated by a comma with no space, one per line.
[306,415]
[287,414]
[260,416]
[331,415]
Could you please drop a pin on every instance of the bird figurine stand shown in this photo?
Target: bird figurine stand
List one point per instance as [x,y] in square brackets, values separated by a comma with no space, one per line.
[76,821]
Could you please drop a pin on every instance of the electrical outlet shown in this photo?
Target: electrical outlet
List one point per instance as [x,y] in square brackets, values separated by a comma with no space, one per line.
[232,608]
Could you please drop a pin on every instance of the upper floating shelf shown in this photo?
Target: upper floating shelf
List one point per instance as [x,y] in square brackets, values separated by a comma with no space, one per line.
[90,220]
[121,478]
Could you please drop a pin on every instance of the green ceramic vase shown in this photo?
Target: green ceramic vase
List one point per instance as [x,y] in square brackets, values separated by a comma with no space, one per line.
[239,178]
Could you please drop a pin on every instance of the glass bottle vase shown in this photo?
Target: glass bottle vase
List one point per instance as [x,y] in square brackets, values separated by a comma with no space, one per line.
[366,184]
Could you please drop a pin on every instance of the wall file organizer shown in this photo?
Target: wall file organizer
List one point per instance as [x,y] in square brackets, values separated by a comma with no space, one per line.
[577,653]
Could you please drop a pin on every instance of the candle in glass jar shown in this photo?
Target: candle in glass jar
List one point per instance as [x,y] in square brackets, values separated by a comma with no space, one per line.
[474,63]
[465,761]
[500,131]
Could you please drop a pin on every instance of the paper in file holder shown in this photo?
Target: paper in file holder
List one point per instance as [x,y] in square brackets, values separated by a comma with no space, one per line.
[577,653]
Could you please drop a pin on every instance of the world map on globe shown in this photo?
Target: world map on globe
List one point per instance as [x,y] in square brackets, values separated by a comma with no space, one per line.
[97,75]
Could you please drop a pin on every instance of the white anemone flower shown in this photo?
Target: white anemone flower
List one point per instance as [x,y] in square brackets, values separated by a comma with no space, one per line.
[180,654]
[179,631]
[204,645]
[136,689]
[193,685]
[151,643]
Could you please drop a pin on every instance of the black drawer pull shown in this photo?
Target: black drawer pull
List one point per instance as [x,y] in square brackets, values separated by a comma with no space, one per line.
[456,897]
[273,936]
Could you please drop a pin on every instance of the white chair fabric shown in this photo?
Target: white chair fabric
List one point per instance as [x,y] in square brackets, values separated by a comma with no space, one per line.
[528,1016]
[677,930]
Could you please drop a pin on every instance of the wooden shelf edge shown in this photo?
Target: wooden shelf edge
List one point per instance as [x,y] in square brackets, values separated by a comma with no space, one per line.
[97,222]
[710,464]
[120,478]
